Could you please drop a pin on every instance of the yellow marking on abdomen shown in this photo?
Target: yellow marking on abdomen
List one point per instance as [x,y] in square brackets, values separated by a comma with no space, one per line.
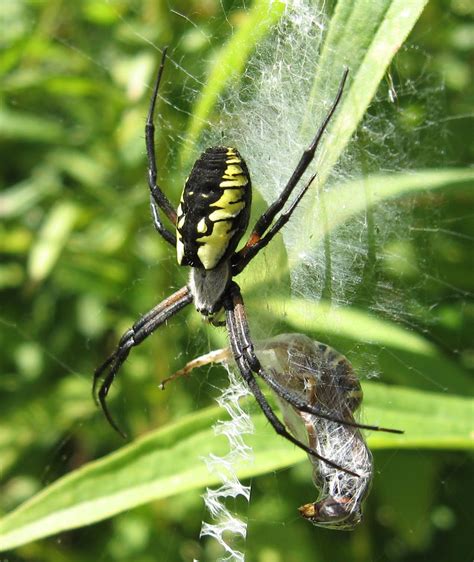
[215,245]
[237,181]
[227,213]
[229,198]
[202,226]
[231,171]
[179,248]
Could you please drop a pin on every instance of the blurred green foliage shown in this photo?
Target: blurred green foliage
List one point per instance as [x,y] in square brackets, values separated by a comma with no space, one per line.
[80,261]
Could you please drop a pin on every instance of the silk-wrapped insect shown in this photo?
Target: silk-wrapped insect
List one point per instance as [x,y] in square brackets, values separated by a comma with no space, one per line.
[325,379]
[327,393]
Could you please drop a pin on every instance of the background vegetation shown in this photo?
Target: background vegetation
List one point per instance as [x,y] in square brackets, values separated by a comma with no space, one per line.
[80,262]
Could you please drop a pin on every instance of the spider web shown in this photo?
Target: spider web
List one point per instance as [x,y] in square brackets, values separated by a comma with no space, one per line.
[262,116]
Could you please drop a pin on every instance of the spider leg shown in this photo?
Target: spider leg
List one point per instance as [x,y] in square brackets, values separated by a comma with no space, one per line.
[269,215]
[217,356]
[239,263]
[145,326]
[248,364]
[303,406]
[169,236]
[279,389]
[158,199]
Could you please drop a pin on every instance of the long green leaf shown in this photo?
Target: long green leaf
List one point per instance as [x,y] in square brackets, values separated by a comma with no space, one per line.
[365,36]
[365,193]
[19,125]
[403,357]
[52,238]
[169,461]
[229,64]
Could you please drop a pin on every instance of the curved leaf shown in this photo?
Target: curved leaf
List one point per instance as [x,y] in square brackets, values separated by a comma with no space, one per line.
[362,194]
[404,357]
[169,461]
[364,36]
[229,64]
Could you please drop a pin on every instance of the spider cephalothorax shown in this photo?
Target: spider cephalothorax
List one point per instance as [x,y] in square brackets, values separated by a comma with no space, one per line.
[208,224]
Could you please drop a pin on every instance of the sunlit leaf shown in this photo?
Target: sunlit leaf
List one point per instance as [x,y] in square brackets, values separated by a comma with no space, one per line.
[51,239]
[229,64]
[168,461]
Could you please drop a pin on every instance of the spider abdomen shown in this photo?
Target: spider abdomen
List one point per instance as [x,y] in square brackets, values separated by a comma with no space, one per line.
[214,209]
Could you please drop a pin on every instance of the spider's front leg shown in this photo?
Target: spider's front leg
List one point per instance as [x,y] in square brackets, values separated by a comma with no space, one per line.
[133,337]
[158,199]
[248,364]
[260,235]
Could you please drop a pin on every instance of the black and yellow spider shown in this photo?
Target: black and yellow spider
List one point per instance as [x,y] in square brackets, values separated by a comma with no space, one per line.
[210,221]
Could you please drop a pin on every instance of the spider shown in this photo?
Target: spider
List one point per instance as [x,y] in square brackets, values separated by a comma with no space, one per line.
[210,220]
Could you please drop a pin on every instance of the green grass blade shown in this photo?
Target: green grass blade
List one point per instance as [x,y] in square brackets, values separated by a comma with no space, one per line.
[365,193]
[15,125]
[403,357]
[52,238]
[364,36]
[168,461]
[229,64]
